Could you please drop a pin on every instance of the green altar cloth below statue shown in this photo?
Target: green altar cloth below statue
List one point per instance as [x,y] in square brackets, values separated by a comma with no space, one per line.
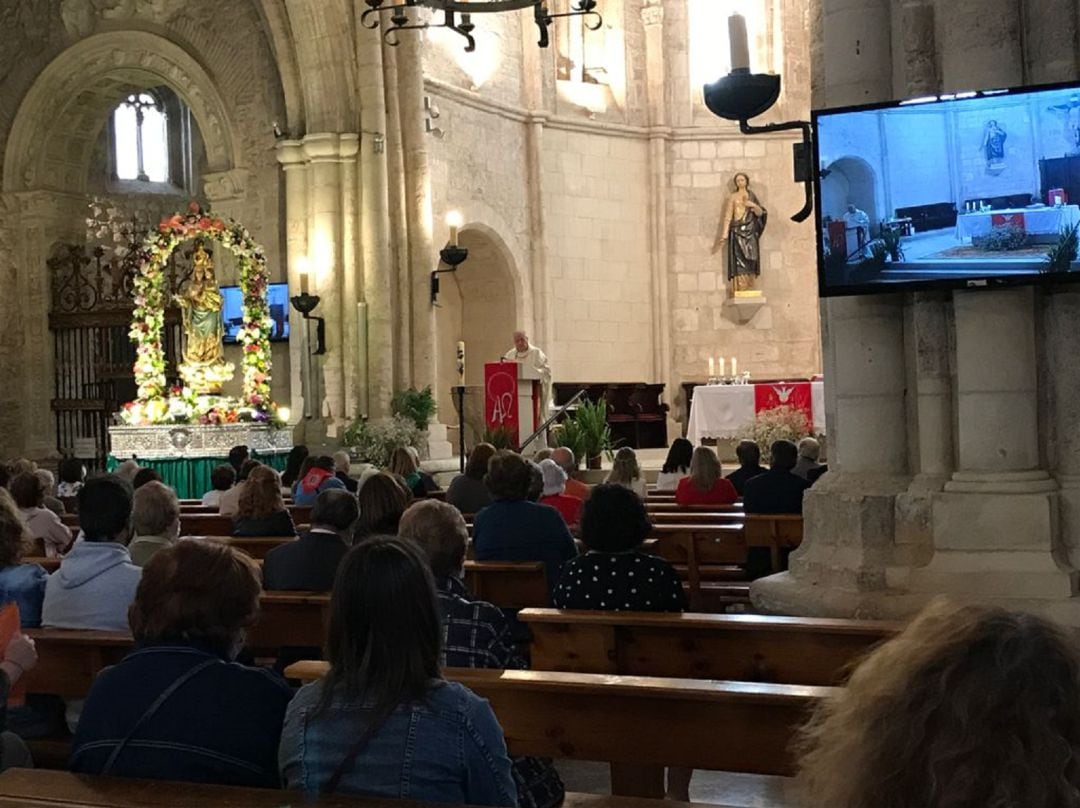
[190,476]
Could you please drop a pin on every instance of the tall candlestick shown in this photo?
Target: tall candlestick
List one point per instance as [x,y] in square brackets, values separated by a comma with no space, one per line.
[723,363]
[734,366]
[740,45]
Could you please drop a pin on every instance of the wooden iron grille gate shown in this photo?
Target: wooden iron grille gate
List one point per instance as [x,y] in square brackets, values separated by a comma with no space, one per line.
[90,317]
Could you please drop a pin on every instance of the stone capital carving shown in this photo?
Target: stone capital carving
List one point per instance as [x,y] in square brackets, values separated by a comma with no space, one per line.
[652,14]
[330,147]
[225,185]
[290,153]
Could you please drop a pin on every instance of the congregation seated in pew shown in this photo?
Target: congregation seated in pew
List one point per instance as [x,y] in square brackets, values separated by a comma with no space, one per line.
[626,471]
[229,501]
[29,494]
[316,475]
[22,584]
[705,485]
[615,573]
[514,529]
[676,465]
[554,493]
[383,498]
[468,492]
[261,510]
[143,476]
[566,460]
[178,707]
[96,581]
[405,463]
[779,490]
[222,479]
[155,521]
[383,721]
[749,454]
[809,450]
[476,634]
[968,706]
[310,563]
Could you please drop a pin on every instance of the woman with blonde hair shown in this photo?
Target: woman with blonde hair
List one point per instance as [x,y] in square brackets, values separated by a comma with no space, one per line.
[705,485]
[405,463]
[626,472]
[262,510]
[968,706]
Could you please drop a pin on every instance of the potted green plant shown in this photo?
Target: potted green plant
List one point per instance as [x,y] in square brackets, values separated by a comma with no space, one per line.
[568,434]
[1060,257]
[416,405]
[375,441]
[595,434]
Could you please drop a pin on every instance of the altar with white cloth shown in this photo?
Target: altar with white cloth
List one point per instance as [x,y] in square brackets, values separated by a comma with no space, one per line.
[1045,221]
[727,410]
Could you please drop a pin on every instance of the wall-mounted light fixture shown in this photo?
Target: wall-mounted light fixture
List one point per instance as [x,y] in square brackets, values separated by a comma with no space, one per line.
[305,304]
[741,95]
[453,254]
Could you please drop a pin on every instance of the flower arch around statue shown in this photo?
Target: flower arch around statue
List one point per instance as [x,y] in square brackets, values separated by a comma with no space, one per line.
[156,402]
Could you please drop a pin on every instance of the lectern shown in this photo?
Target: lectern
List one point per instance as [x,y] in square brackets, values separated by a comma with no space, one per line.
[512,397]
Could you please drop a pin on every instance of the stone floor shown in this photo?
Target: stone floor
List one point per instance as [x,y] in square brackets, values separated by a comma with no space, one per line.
[728,789]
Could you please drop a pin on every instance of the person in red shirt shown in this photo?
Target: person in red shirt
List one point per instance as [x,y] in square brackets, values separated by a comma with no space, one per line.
[569,508]
[705,485]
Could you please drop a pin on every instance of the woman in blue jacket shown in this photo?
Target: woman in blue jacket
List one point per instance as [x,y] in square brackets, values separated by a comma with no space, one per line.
[383,722]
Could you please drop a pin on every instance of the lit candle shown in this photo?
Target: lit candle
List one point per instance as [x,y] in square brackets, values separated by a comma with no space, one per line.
[302,270]
[712,368]
[723,362]
[454,222]
[734,366]
[740,45]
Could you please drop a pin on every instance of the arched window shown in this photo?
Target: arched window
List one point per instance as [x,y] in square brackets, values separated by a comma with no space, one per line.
[141,138]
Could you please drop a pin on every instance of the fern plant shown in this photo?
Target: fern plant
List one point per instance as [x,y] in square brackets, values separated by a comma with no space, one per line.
[568,435]
[591,420]
[416,405]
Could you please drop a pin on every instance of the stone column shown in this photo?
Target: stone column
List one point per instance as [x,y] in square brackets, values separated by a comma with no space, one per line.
[350,276]
[290,154]
[375,234]
[652,17]
[918,74]
[995,525]
[1062,341]
[979,55]
[401,288]
[849,532]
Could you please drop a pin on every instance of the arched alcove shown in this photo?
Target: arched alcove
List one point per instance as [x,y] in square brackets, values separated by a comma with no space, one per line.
[58,123]
[850,181]
[480,306]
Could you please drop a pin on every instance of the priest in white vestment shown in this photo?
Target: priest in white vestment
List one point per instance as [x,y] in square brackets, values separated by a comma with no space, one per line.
[528,354]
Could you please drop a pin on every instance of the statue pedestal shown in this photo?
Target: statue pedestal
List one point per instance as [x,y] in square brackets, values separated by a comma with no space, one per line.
[195,440]
[744,306]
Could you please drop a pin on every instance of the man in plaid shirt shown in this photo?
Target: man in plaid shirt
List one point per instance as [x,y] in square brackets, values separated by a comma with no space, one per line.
[476,634]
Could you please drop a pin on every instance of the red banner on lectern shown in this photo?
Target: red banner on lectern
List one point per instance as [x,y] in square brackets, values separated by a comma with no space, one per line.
[501,397]
[796,395]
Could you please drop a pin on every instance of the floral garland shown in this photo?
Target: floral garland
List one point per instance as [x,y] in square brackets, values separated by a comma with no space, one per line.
[153,405]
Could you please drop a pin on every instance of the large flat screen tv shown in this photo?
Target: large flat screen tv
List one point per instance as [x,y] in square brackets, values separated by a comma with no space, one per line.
[233,315]
[953,191]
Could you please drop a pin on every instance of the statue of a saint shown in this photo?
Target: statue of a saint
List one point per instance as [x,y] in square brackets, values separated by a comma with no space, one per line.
[994,146]
[741,227]
[204,368]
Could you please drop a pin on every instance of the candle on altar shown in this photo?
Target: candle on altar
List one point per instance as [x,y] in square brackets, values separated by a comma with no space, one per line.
[723,363]
[740,45]
[734,367]
[712,368]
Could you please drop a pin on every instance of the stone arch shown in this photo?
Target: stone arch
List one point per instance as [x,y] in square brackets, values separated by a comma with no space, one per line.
[851,180]
[68,105]
[481,305]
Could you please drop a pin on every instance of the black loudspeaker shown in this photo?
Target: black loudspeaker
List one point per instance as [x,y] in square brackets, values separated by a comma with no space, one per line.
[801,154]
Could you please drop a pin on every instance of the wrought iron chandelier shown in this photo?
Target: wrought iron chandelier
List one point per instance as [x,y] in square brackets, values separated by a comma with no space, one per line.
[457,16]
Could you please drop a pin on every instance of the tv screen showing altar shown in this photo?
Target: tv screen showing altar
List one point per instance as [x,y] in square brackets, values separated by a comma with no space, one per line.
[953,191]
[233,314]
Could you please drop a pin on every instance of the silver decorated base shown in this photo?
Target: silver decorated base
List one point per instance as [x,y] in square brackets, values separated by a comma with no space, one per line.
[196,440]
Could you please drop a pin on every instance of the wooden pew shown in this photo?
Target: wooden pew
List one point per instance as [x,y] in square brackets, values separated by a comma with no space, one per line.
[697,548]
[785,650]
[508,584]
[204,521]
[696,517]
[671,506]
[776,533]
[638,724]
[30,788]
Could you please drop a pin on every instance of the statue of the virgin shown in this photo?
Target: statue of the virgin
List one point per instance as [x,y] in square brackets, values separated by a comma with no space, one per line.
[741,227]
[204,368]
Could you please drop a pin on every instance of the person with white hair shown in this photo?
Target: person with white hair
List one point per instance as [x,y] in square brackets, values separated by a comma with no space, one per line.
[555,495]
[48,482]
[525,353]
[809,451]
[342,465]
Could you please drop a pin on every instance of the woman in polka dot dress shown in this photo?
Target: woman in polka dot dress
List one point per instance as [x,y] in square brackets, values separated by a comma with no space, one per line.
[615,574]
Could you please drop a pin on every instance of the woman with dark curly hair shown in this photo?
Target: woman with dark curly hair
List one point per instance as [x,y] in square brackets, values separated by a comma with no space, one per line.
[968,706]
